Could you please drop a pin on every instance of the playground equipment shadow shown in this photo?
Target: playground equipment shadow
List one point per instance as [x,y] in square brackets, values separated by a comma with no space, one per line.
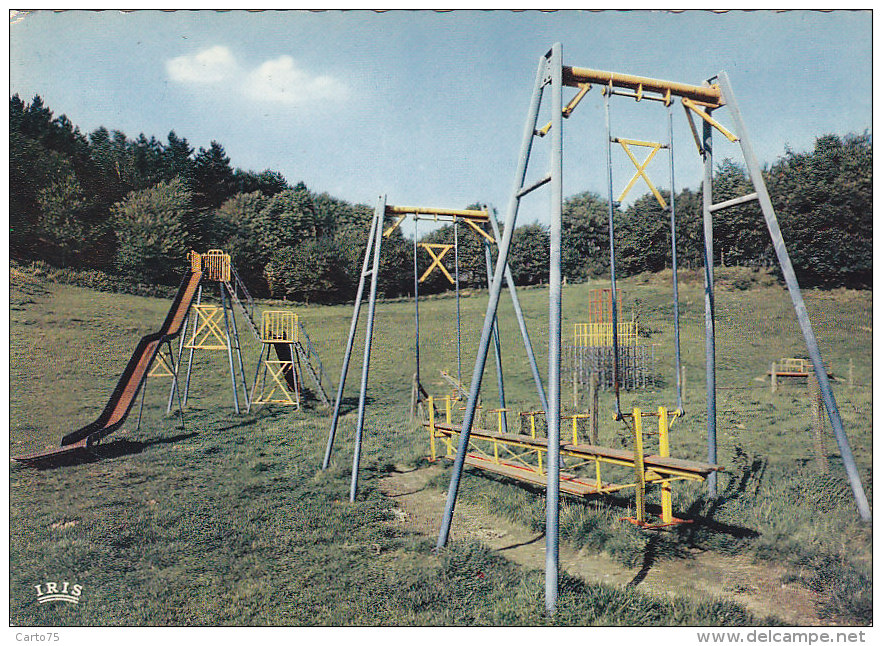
[106,451]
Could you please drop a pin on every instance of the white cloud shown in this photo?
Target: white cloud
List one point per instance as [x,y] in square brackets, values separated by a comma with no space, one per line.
[281,80]
[278,80]
[211,65]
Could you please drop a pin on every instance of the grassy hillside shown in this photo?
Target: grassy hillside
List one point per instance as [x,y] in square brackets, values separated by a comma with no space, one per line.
[229,520]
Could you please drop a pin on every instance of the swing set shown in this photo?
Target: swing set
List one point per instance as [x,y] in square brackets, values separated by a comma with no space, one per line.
[697,100]
[421,401]
[575,466]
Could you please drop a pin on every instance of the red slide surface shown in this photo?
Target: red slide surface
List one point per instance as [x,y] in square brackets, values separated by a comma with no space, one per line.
[126,391]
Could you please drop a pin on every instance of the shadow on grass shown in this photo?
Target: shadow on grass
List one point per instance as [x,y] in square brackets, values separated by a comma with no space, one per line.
[649,557]
[243,423]
[98,452]
[751,470]
[540,536]
[350,404]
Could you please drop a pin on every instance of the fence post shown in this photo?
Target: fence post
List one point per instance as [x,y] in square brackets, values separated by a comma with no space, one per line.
[664,450]
[639,474]
[850,373]
[432,430]
[774,379]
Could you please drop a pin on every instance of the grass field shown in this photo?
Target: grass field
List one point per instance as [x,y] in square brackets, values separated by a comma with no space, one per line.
[229,520]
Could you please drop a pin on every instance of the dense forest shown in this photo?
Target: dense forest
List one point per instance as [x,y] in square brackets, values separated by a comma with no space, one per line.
[131,208]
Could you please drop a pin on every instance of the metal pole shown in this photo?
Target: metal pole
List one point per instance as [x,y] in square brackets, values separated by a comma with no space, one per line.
[368,337]
[174,387]
[375,230]
[709,333]
[677,359]
[458,317]
[802,316]
[190,360]
[229,347]
[497,351]
[416,305]
[175,373]
[612,259]
[495,288]
[519,315]
[552,504]
[239,352]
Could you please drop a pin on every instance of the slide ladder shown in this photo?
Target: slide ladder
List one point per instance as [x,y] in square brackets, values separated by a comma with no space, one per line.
[313,365]
[304,347]
[247,306]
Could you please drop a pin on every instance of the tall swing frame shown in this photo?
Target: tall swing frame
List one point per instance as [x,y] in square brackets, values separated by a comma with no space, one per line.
[370,268]
[696,99]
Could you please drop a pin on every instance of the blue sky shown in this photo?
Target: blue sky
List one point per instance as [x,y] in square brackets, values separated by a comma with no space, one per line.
[428,108]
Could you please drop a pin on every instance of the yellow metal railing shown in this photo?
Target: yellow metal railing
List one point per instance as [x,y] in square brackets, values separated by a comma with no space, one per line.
[601,334]
[278,325]
[214,264]
[521,453]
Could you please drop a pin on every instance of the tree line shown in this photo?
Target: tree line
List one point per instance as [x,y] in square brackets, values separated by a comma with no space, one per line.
[134,207]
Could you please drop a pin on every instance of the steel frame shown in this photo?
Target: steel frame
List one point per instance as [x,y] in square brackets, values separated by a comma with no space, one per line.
[206,333]
[372,258]
[552,74]
[169,368]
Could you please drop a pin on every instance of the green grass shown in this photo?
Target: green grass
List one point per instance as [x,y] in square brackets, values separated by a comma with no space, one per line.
[231,521]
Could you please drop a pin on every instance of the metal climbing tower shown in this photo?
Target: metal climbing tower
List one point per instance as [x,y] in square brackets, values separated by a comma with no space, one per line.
[277,381]
[206,333]
[214,327]
[701,100]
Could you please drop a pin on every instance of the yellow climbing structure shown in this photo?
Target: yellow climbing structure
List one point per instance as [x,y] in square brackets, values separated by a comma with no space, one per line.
[278,380]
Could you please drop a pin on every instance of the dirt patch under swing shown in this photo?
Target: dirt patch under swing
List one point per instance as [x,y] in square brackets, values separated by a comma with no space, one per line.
[706,575]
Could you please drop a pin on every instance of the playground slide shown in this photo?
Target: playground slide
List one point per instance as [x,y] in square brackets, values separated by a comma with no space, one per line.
[283,352]
[126,391]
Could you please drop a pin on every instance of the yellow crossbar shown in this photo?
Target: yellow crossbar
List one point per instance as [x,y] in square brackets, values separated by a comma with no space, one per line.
[708,95]
[208,334]
[471,214]
[268,388]
[704,115]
